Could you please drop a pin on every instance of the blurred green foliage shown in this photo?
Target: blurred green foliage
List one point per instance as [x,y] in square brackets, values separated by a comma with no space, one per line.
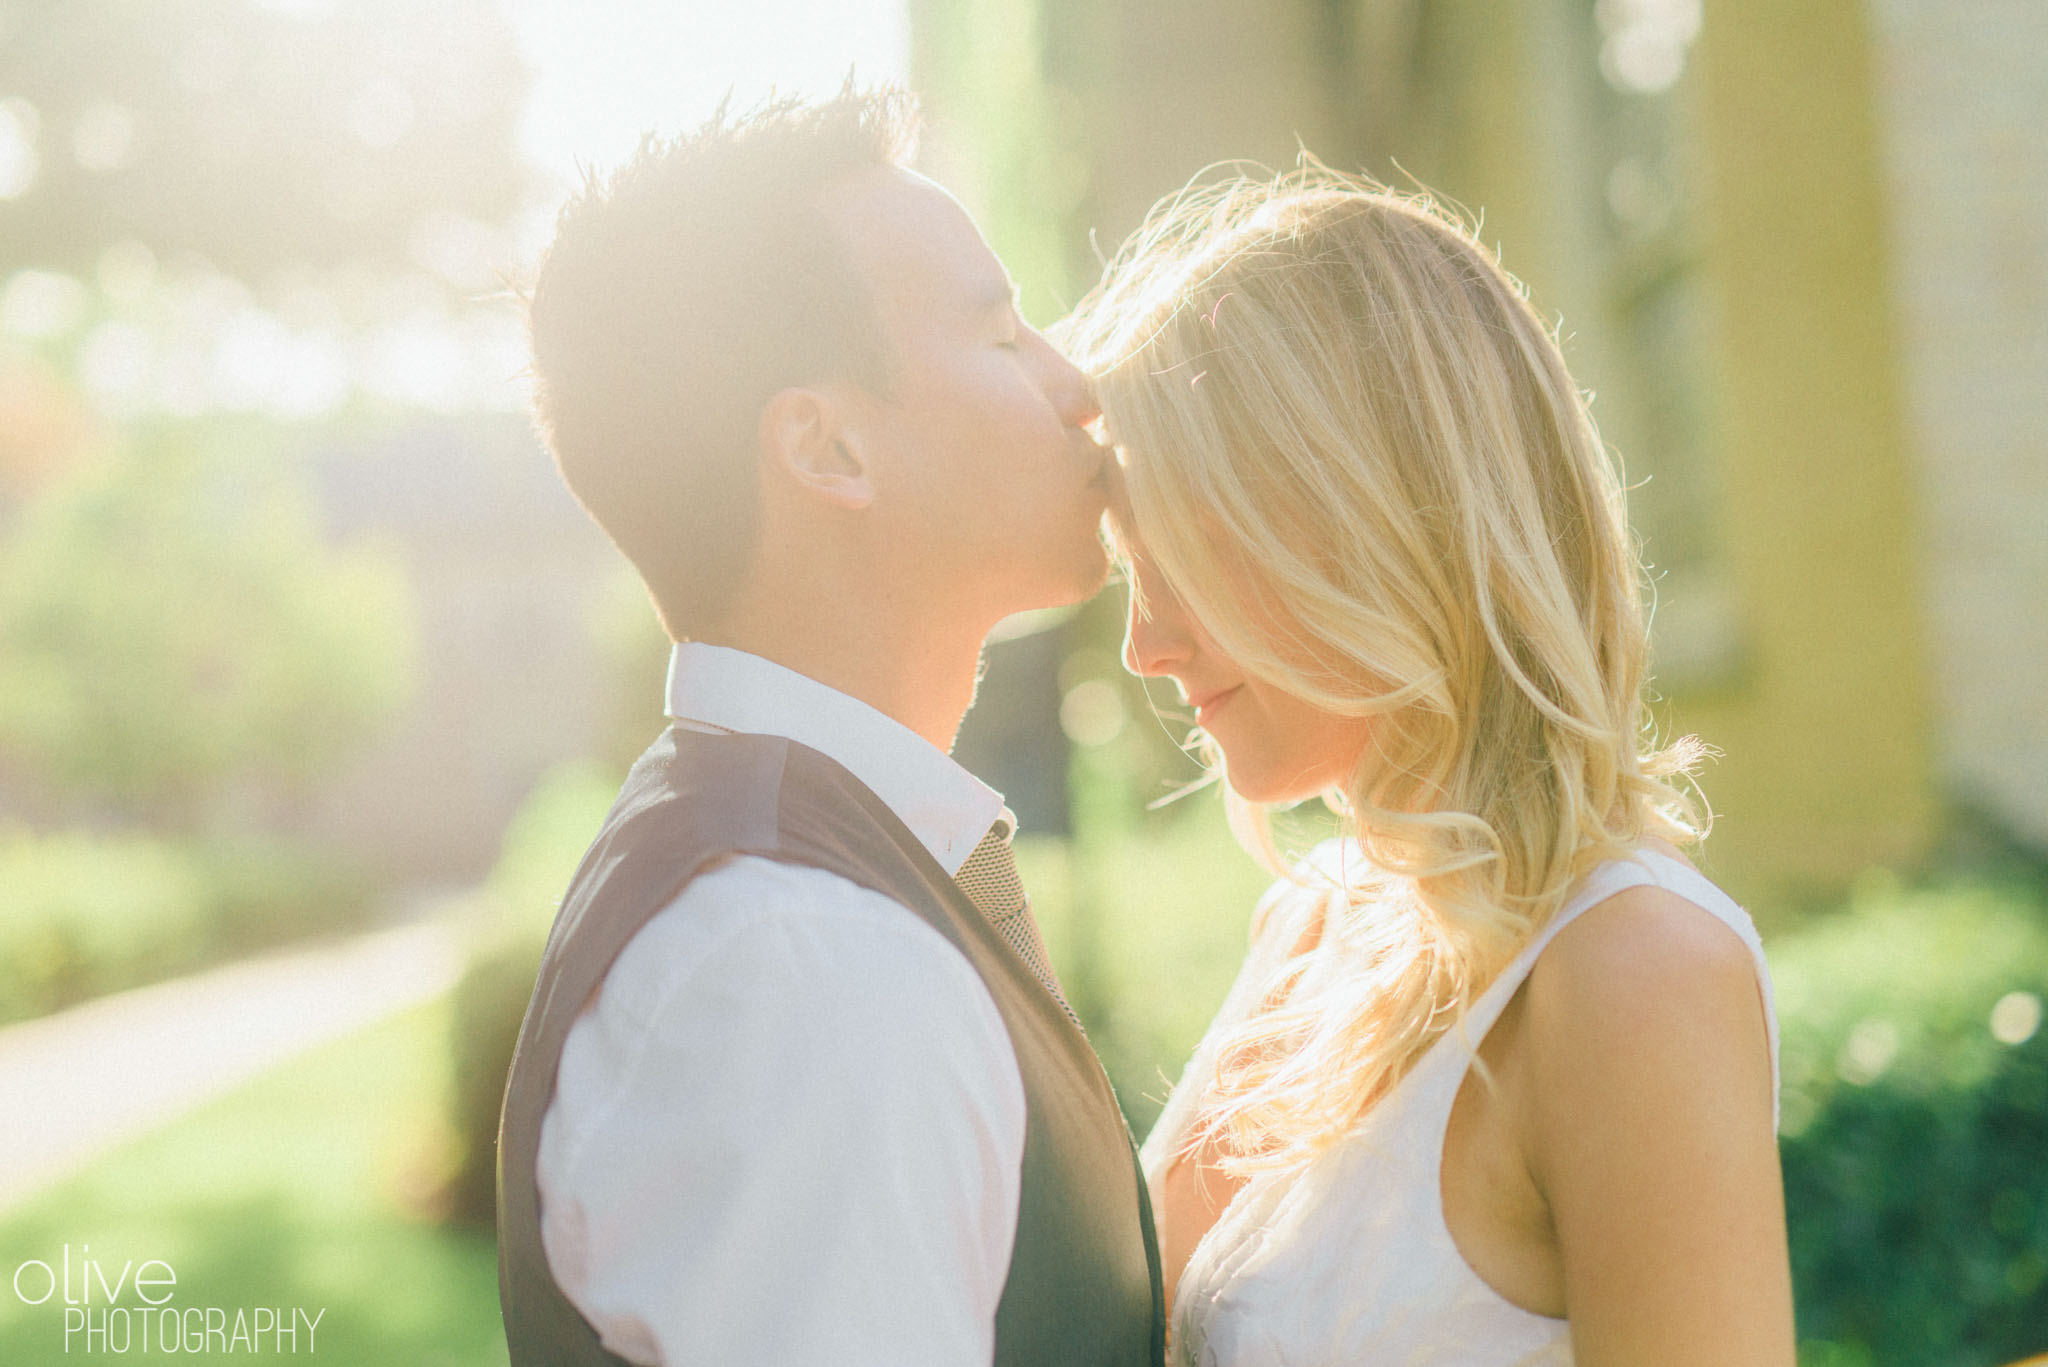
[173,626]
[545,841]
[86,914]
[542,846]
[1146,916]
[998,78]
[1915,1137]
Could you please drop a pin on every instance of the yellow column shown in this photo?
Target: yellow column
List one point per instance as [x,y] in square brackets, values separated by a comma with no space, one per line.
[1826,723]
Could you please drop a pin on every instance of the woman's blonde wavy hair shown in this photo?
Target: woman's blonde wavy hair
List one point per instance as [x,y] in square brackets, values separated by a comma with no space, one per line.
[1352,448]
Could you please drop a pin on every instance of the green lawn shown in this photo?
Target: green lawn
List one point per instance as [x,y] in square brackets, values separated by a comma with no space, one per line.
[290,1193]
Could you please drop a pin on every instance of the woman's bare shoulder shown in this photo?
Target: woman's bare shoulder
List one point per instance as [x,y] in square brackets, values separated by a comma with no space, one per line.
[1646,1118]
[1645,981]
[1644,947]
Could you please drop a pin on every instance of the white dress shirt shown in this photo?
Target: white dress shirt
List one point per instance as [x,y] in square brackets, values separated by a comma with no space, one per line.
[789,1127]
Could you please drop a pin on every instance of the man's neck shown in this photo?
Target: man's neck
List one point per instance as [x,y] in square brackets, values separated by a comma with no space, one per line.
[916,672]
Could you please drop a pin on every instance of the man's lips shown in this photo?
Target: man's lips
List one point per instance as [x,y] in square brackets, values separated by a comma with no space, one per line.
[1206,705]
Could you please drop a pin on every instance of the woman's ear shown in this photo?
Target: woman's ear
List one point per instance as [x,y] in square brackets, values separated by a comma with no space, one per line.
[804,439]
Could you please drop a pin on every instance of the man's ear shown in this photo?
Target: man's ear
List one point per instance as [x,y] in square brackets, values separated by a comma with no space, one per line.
[803,439]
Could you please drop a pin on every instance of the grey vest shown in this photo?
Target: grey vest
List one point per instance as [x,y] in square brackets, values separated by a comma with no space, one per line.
[1084,1286]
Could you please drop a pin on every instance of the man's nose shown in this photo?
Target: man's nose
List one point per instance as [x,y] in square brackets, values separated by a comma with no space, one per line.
[1071,393]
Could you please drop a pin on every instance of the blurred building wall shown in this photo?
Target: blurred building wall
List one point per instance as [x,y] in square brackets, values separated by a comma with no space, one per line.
[1827,723]
[1963,102]
[509,577]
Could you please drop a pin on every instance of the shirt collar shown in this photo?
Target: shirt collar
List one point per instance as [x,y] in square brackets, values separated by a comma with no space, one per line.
[948,809]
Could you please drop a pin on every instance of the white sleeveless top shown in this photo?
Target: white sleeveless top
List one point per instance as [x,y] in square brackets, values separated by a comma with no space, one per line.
[1348,1261]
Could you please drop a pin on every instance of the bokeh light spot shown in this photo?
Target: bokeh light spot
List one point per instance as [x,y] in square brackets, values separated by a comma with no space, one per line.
[1092,712]
[1871,1049]
[2015,1018]
[19,163]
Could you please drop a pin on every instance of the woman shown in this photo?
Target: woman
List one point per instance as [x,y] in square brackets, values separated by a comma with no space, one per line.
[1497,1083]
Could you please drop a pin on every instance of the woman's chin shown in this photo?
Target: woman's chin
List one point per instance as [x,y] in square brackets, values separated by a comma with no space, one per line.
[1265,789]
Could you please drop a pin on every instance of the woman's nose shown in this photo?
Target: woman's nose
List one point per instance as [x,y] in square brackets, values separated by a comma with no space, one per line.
[1156,638]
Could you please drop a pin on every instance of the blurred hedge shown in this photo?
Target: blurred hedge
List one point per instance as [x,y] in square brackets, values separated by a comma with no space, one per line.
[542,846]
[84,914]
[1915,1138]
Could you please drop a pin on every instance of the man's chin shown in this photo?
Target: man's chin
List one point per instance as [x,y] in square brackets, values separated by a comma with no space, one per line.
[1076,579]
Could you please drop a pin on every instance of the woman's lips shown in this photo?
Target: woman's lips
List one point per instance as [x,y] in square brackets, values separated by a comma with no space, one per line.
[1209,704]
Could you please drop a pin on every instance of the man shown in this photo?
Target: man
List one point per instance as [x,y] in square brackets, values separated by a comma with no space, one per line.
[797,1085]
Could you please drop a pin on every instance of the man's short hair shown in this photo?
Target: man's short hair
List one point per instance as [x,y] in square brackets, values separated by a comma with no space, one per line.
[683,291]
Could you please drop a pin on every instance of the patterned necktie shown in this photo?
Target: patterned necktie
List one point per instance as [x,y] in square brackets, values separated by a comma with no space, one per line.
[989,878]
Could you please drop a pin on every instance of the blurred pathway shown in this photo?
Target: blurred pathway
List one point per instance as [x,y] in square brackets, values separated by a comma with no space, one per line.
[75,1084]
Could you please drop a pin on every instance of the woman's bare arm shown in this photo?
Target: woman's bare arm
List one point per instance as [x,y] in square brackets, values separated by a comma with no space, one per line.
[1647,1123]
